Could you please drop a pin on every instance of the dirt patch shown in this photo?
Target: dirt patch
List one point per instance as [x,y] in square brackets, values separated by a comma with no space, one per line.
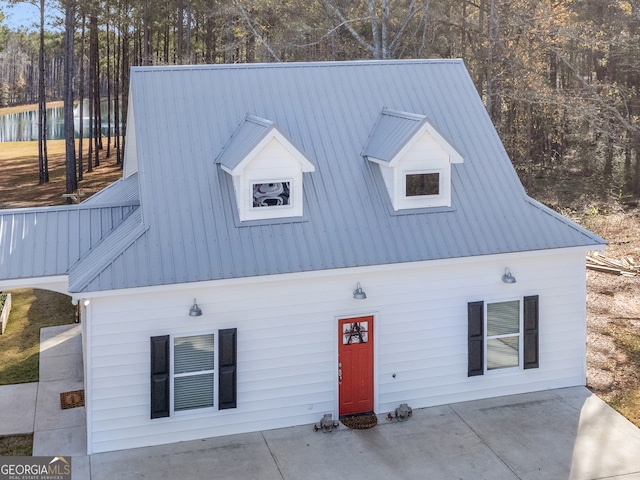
[613,314]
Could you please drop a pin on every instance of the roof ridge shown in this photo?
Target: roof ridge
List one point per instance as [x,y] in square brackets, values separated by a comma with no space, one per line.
[402,114]
[264,122]
[114,244]
[328,63]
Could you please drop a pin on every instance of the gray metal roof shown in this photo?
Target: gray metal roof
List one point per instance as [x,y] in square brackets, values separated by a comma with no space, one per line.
[45,241]
[122,191]
[391,132]
[188,228]
[244,139]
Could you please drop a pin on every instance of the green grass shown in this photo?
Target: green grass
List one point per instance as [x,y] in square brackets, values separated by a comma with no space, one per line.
[16,445]
[20,345]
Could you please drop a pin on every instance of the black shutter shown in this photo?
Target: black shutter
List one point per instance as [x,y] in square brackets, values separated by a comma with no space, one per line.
[160,376]
[227,359]
[531,350]
[476,338]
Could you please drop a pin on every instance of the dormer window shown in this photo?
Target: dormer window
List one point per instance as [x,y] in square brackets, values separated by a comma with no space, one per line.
[414,159]
[267,171]
[422,184]
[271,194]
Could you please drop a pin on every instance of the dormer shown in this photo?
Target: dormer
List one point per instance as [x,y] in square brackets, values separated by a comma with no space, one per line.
[266,168]
[414,158]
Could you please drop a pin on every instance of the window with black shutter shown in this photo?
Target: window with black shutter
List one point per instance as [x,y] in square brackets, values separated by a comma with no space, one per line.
[502,335]
[186,367]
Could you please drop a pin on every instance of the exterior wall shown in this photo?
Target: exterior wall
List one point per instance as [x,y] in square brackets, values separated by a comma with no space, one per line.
[287,343]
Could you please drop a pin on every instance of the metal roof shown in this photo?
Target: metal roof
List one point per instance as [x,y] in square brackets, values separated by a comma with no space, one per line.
[244,139]
[394,129]
[391,132]
[119,192]
[188,230]
[45,241]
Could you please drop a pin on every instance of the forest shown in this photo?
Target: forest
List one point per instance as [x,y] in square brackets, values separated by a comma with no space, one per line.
[559,78]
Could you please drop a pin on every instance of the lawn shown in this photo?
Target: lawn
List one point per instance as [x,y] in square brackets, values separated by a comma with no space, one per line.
[20,345]
[31,310]
[16,445]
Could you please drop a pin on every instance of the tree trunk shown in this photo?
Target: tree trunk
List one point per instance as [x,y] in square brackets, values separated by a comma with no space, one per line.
[81,85]
[95,87]
[69,131]
[108,95]
[43,163]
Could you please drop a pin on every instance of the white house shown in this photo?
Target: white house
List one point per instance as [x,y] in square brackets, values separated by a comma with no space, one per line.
[354,236]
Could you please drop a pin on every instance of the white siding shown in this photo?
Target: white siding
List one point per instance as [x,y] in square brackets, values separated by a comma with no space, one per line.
[287,344]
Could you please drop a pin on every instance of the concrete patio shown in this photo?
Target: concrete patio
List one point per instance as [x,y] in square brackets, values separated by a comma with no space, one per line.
[557,434]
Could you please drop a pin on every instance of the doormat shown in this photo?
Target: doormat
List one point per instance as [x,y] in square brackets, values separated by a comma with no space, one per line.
[360,421]
[72,399]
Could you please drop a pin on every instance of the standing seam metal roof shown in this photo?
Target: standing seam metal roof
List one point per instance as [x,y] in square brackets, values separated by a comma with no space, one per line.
[188,230]
[46,241]
[391,132]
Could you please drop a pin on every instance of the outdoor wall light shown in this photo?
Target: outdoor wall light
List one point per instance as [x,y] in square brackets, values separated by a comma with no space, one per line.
[507,277]
[195,310]
[358,293]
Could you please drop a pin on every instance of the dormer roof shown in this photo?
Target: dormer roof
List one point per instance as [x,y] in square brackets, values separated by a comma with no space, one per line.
[249,138]
[393,133]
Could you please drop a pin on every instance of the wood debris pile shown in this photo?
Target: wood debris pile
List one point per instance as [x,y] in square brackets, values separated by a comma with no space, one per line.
[625,266]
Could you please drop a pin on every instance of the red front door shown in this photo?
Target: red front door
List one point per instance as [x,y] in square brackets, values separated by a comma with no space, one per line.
[355,365]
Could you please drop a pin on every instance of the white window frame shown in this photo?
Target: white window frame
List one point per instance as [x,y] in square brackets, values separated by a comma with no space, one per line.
[400,199]
[488,337]
[174,375]
[421,198]
[290,205]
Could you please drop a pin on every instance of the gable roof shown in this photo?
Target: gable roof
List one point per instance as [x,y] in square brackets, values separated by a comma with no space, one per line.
[394,130]
[250,136]
[187,228]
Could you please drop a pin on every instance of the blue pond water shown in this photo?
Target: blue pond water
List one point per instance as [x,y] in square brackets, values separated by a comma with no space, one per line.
[19,127]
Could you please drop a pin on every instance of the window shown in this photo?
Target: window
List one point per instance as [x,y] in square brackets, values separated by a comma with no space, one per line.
[199,369]
[193,372]
[271,194]
[421,184]
[503,335]
[508,339]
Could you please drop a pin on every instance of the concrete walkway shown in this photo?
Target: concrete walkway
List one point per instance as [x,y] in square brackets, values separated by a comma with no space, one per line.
[557,434]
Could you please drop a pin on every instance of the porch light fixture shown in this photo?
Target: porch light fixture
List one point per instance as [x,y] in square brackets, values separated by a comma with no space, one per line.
[358,293]
[195,310]
[507,277]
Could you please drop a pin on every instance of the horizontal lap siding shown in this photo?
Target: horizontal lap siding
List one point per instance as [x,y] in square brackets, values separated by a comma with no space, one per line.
[425,344]
[287,335]
[285,364]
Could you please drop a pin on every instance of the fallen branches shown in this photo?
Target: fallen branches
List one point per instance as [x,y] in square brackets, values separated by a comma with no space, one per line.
[625,266]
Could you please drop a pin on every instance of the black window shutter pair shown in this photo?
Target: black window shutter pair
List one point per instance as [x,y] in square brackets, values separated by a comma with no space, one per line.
[160,372]
[475,313]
